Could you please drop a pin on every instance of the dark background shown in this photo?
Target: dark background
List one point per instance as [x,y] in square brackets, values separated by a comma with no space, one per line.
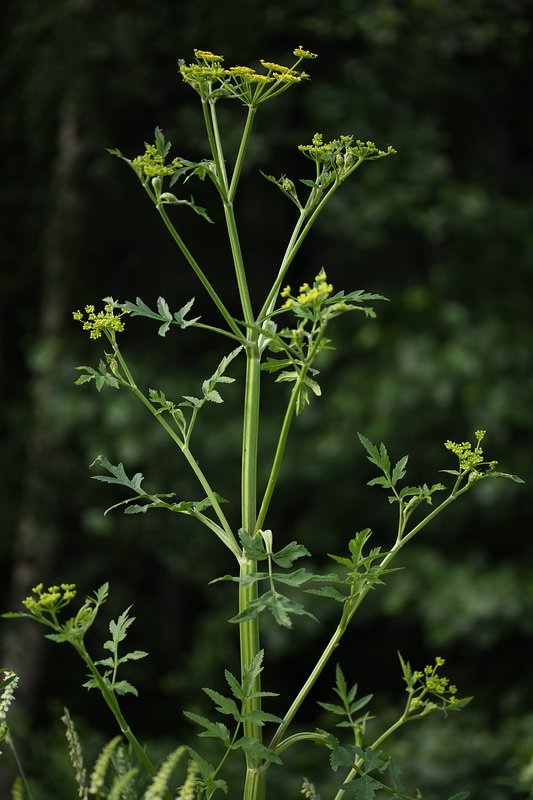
[443,229]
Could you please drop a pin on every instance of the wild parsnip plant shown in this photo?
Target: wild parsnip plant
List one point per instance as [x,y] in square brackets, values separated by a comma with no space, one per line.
[283,335]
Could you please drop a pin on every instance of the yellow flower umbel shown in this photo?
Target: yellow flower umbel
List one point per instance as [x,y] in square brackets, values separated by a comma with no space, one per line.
[429,682]
[342,155]
[207,69]
[51,600]
[301,53]
[152,164]
[207,56]
[470,457]
[105,320]
[212,81]
[312,296]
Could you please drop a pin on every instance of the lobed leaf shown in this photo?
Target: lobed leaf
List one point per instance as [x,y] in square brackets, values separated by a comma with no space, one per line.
[163,313]
[289,553]
[224,705]
[333,709]
[118,629]
[124,687]
[214,730]
[260,717]
[280,607]
[254,749]
[118,475]
[295,578]
[399,470]
[253,546]
[135,655]
[162,146]
[328,591]
[363,788]
[379,457]
[235,686]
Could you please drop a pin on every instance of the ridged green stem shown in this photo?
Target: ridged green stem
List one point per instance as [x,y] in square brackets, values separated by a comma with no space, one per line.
[240,272]
[239,161]
[255,782]
[248,630]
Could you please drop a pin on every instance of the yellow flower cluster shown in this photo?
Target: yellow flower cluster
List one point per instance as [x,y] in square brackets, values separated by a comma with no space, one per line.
[207,55]
[208,69]
[51,600]
[202,73]
[299,52]
[151,163]
[104,320]
[272,66]
[369,151]
[309,295]
[280,73]
[469,457]
[342,151]
[317,150]
[435,684]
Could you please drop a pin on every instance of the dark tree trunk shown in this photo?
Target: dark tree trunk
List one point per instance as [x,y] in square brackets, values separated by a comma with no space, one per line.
[37,535]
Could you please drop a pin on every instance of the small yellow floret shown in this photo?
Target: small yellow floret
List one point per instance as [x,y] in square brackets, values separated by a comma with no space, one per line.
[301,53]
[242,71]
[255,77]
[286,77]
[207,55]
[273,66]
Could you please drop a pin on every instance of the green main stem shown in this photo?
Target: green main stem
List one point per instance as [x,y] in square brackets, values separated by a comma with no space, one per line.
[254,788]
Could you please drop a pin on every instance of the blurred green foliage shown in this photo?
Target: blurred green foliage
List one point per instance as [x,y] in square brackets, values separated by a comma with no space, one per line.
[443,229]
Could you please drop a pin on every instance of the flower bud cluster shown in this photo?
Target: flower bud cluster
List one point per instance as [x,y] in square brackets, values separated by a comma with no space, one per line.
[469,457]
[51,599]
[152,164]
[309,295]
[430,682]
[102,321]
[342,153]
